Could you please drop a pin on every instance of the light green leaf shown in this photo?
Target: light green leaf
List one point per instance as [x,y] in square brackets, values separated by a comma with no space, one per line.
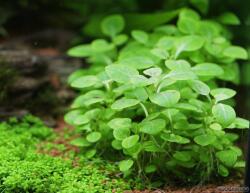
[140,36]
[80,51]
[221,94]
[199,87]
[121,133]
[150,169]
[236,52]
[229,18]
[121,73]
[90,153]
[208,69]
[84,81]
[175,138]
[224,114]
[227,157]
[150,146]
[223,171]
[101,45]
[80,142]
[165,99]
[125,165]
[137,62]
[94,137]
[187,25]
[153,72]
[124,103]
[181,74]
[160,53]
[120,39]
[189,43]
[205,139]
[182,156]
[153,127]
[116,144]
[177,64]
[120,123]
[130,141]
[112,25]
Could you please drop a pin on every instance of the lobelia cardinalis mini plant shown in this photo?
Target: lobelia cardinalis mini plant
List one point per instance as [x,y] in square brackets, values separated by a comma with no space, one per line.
[153,100]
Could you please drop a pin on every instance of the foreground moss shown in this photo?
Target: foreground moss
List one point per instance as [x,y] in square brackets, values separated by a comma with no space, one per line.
[22,170]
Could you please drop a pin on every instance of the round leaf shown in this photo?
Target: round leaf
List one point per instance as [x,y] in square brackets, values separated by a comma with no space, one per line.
[165,99]
[121,73]
[120,123]
[199,87]
[125,165]
[124,103]
[236,52]
[84,81]
[94,136]
[112,25]
[205,139]
[208,69]
[153,127]
[130,141]
[140,36]
[227,157]
[121,133]
[221,94]
[224,114]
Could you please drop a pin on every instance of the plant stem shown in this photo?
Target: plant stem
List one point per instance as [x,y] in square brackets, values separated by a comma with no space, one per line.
[144,109]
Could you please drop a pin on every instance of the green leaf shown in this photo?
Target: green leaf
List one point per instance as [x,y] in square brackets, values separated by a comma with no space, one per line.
[187,25]
[80,142]
[188,43]
[224,114]
[120,39]
[80,51]
[137,62]
[120,123]
[112,25]
[125,165]
[121,133]
[177,64]
[199,87]
[208,69]
[140,36]
[130,141]
[205,139]
[201,5]
[124,103]
[121,73]
[175,138]
[150,169]
[182,156]
[165,99]
[90,153]
[229,18]
[84,81]
[223,171]
[241,123]
[150,146]
[236,52]
[160,53]
[221,94]
[153,127]
[116,144]
[227,157]
[94,137]
[180,74]
[101,45]
[153,72]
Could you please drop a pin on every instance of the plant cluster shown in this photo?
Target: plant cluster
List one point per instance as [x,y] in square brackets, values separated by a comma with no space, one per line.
[155,98]
[22,169]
